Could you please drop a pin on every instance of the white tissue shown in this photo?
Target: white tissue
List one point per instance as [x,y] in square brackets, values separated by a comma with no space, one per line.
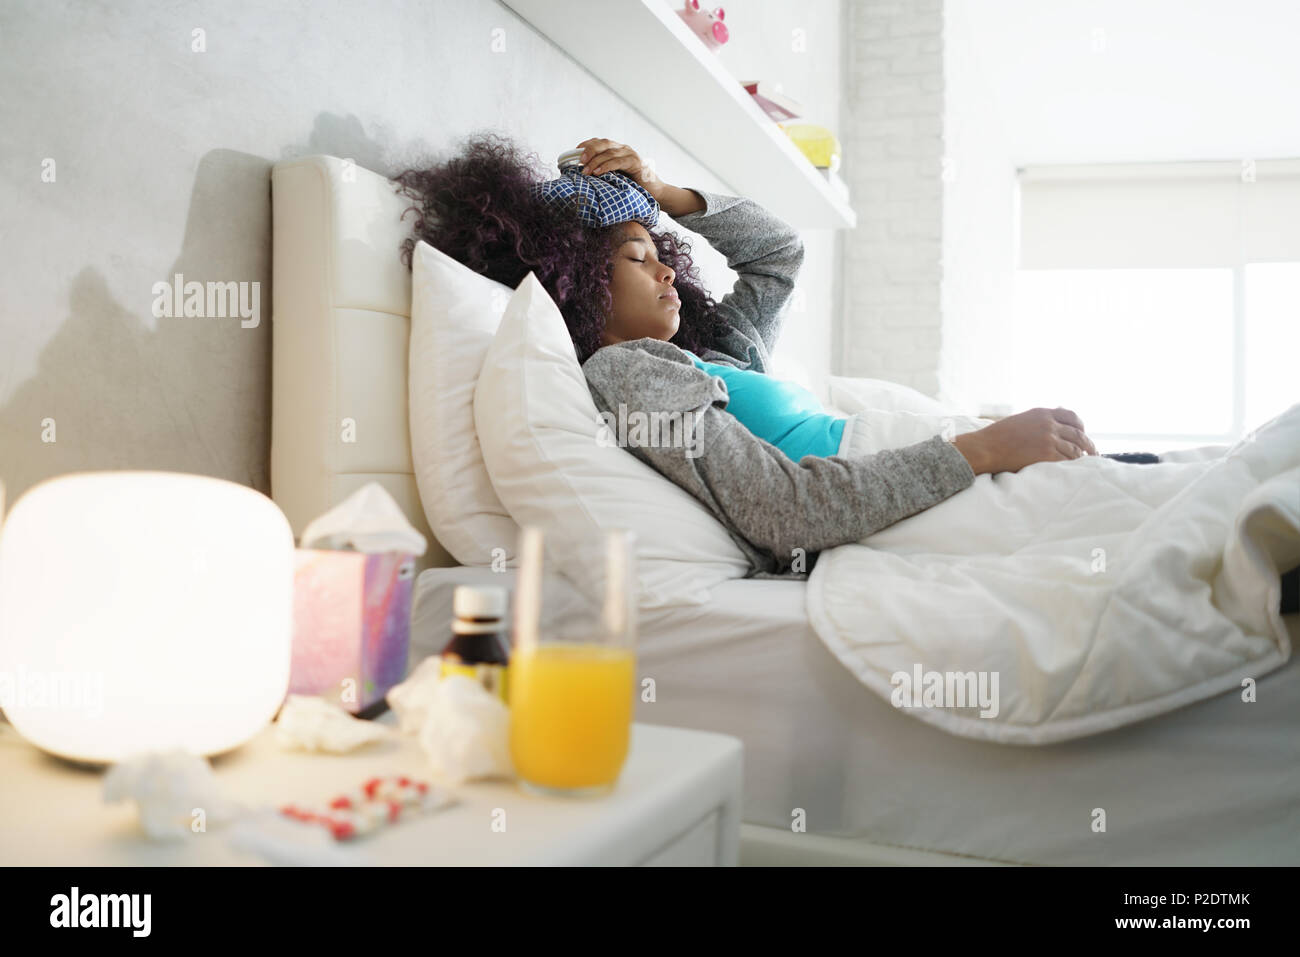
[463,728]
[168,789]
[466,734]
[368,520]
[314,724]
[410,700]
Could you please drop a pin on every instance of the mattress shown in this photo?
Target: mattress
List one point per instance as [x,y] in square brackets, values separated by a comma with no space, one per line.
[1214,783]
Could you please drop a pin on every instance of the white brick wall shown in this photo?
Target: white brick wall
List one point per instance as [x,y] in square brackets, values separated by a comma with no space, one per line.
[892,134]
[928,271]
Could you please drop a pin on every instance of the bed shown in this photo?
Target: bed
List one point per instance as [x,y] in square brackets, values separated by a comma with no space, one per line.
[1211,783]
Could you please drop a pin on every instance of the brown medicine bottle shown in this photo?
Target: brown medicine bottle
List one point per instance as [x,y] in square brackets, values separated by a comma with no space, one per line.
[478,646]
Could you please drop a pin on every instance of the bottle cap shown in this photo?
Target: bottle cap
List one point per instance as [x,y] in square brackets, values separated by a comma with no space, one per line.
[569,158]
[473,601]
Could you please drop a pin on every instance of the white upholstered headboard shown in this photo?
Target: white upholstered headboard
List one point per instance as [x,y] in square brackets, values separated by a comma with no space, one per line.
[340,328]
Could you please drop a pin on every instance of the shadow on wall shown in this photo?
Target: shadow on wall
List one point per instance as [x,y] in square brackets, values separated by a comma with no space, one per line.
[189,394]
[184,395]
[346,138]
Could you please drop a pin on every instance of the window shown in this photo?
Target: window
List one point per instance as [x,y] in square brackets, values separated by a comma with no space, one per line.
[1136,352]
[1160,302]
[1272,340]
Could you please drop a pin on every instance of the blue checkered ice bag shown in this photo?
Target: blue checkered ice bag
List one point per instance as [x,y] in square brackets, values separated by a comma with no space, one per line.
[599,200]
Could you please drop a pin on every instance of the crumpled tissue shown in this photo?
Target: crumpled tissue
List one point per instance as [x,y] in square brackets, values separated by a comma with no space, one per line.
[314,724]
[462,727]
[170,790]
[368,520]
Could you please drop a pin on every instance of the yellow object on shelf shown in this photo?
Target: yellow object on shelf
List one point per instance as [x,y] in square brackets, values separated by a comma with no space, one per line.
[815,142]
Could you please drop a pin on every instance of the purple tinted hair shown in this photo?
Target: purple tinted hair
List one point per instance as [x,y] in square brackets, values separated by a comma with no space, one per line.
[478,208]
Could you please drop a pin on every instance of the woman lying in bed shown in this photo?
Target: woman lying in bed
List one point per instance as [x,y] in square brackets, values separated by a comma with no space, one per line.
[784,476]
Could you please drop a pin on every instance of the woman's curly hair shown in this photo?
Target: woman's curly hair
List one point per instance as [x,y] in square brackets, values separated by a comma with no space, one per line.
[478,207]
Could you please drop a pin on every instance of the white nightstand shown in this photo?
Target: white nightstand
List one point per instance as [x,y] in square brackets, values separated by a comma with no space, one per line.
[677,802]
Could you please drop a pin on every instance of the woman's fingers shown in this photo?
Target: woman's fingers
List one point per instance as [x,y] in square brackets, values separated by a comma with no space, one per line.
[594,145]
[1079,438]
[1071,427]
[1067,450]
[606,161]
[589,150]
[1066,417]
[592,158]
[598,154]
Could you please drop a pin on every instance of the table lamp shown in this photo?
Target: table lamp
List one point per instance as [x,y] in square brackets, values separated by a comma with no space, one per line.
[143,611]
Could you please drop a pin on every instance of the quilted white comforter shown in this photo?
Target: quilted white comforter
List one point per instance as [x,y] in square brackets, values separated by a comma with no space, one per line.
[1084,595]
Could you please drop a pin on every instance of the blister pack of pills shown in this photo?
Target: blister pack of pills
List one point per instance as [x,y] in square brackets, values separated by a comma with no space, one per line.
[379,802]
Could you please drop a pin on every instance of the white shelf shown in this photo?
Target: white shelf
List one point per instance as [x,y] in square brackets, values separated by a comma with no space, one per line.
[692,98]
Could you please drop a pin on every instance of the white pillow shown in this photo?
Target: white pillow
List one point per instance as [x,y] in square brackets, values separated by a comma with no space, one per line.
[454,314]
[850,394]
[539,425]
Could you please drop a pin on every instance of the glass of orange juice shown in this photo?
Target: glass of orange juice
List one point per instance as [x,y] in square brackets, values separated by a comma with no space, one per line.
[572,668]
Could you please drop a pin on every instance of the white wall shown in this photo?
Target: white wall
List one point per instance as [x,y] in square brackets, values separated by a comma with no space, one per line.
[800,47]
[163,158]
[1119,81]
[979,186]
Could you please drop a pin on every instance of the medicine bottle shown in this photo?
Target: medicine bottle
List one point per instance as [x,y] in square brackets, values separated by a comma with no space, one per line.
[478,647]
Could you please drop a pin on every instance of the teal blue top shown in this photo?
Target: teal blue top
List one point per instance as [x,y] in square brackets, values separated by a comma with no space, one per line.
[781,413]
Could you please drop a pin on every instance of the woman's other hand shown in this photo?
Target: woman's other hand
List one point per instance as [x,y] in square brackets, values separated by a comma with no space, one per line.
[1038,435]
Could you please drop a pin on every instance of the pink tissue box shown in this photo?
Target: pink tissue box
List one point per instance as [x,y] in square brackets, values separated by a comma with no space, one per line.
[351,624]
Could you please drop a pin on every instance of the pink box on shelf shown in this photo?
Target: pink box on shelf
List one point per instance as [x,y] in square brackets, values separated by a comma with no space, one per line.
[351,624]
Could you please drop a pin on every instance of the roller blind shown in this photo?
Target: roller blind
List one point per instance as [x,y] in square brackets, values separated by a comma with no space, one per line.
[1159,215]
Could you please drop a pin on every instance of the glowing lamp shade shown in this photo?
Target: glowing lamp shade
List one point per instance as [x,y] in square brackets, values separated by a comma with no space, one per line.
[144,611]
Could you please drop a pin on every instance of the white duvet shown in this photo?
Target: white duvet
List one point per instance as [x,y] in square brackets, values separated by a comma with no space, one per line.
[1088,594]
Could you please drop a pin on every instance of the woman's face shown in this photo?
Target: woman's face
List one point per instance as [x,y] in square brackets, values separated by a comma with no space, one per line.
[645,303]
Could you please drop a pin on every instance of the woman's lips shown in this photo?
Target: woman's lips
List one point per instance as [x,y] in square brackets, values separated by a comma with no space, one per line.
[672,296]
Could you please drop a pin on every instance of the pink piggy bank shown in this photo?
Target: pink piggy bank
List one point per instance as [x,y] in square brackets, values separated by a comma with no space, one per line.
[707,25]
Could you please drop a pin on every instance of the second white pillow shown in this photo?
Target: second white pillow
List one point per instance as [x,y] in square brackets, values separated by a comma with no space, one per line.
[538,427]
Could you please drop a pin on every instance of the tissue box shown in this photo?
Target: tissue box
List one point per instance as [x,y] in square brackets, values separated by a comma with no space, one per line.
[351,624]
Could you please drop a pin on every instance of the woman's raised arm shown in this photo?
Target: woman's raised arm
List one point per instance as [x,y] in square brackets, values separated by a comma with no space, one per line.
[767,255]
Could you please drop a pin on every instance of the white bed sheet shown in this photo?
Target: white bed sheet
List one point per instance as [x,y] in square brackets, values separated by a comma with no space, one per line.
[1215,783]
